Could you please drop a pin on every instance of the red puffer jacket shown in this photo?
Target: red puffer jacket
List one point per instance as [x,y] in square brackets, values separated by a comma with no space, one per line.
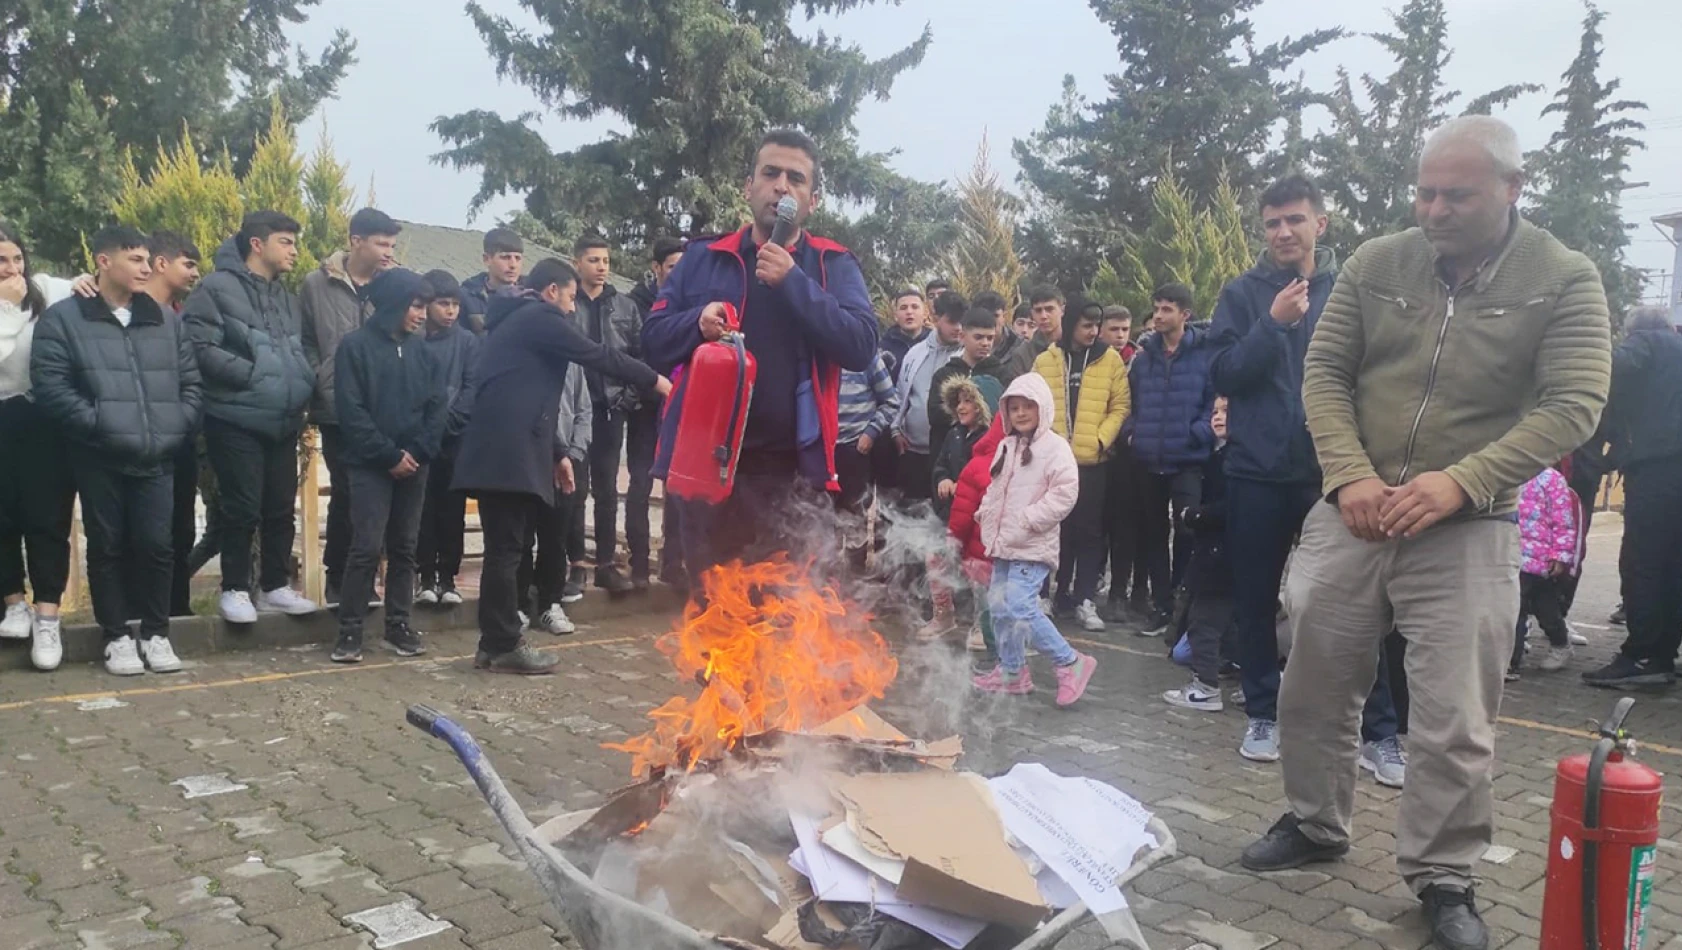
[972,485]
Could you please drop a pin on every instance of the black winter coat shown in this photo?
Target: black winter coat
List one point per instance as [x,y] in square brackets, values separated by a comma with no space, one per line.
[129,395]
[457,352]
[1210,571]
[389,390]
[1645,407]
[509,443]
[248,334]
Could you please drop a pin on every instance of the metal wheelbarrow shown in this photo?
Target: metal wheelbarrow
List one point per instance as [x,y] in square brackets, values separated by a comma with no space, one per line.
[602,920]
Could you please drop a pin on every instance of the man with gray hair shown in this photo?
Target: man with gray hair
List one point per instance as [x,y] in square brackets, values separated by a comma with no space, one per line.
[1644,418]
[1452,363]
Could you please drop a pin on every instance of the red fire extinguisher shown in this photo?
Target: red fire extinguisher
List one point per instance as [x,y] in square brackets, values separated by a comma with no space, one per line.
[717,387]
[1602,851]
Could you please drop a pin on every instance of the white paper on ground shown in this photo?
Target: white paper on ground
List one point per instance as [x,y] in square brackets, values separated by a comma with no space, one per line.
[1086,832]
[834,878]
[845,841]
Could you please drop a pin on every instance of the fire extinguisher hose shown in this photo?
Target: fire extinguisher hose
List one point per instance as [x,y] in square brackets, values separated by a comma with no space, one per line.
[1612,738]
[722,453]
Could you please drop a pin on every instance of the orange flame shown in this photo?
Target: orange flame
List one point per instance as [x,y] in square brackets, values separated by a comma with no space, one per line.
[771,652]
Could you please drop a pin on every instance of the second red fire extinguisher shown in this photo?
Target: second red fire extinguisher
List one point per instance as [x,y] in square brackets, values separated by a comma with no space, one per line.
[712,400]
[1602,847]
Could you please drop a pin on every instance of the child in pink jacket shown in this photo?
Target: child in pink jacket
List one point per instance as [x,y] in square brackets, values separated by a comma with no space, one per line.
[1550,544]
[1035,483]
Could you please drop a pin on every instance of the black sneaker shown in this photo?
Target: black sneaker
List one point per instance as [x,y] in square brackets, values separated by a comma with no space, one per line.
[1626,671]
[1452,914]
[404,641]
[1157,624]
[1618,618]
[610,580]
[520,661]
[1285,847]
[573,592]
[639,582]
[1116,611]
[348,649]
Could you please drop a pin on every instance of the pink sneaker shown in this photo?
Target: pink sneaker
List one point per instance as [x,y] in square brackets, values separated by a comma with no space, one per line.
[1072,679]
[996,680]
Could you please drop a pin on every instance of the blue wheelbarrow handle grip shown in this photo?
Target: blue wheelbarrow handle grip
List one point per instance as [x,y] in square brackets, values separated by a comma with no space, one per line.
[435,723]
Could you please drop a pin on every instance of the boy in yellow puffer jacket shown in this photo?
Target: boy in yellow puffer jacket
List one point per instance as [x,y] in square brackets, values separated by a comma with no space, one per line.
[1088,381]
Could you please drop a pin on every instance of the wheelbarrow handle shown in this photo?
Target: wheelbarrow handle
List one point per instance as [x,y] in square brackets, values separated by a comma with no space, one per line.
[434,723]
[423,717]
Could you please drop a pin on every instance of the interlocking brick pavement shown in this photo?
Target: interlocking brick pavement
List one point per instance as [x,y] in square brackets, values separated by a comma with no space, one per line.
[347,808]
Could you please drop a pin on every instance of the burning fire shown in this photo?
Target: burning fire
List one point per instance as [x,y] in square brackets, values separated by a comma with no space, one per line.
[771,652]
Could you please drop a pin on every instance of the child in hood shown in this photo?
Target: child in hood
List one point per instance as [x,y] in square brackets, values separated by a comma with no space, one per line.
[969,401]
[1035,484]
[1549,540]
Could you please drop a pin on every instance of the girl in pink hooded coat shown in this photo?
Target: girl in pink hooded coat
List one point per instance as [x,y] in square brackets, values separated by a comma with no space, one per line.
[1035,483]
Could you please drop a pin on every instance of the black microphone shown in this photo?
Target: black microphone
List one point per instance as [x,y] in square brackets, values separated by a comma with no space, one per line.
[783,231]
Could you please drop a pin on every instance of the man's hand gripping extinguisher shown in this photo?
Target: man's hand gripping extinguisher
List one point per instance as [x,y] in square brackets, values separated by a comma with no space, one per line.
[1602,846]
[717,388]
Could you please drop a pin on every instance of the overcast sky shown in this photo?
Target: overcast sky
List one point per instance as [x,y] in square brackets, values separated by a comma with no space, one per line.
[995,72]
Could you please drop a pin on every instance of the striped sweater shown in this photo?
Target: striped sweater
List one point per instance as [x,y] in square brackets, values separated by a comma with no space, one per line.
[869,402]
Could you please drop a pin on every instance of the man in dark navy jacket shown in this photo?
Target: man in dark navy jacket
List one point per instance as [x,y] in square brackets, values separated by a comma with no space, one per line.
[508,458]
[806,315]
[1261,330]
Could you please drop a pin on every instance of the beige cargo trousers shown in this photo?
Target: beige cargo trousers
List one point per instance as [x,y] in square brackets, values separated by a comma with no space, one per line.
[1453,592]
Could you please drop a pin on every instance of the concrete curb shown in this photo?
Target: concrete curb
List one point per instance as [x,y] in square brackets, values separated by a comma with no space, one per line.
[205,636]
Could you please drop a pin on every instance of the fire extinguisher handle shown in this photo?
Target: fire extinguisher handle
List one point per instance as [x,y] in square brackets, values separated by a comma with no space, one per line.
[1613,727]
[732,317]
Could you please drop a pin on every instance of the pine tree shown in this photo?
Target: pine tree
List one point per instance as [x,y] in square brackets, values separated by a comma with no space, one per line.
[695,85]
[328,200]
[274,181]
[81,81]
[983,257]
[1203,249]
[180,194]
[1579,175]
[1194,93]
[1367,160]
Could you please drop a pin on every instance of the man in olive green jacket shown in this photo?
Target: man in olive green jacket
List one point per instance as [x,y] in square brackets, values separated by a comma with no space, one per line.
[1453,362]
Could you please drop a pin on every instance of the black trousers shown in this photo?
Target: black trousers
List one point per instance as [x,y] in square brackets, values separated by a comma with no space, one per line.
[671,543]
[183,528]
[1209,616]
[257,484]
[551,531]
[765,514]
[853,469]
[1539,597]
[1081,550]
[884,462]
[1166,497]
[210,542]
[1587,490]
[1262,521]
[1123,510]
[632,435]
[337,545]
[131,555]
[506,519]
[916,476]
[37,500]
[385,513]
[1651,561]
[443,527]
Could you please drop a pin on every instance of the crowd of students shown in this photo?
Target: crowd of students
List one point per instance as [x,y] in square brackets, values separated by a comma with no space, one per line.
[112,383]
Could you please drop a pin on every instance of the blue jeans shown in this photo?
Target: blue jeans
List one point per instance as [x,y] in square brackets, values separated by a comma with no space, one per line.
[1014,600]
[1263,518]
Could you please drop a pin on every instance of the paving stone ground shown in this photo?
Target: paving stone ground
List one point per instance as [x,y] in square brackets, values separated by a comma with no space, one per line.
[346,809]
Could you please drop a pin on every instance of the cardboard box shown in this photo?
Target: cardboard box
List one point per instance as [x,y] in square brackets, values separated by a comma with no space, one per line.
[945,827]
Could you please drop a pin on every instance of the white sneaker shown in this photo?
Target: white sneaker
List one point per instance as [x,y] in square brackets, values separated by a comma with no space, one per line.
[17,623]
[287,601]
[1386,761]
[121,659]
[1556,658]
[1087,614]
[427,595]
[554,620]
[235,606]
[525,621]
[160,655]
[1196,696]
[975,642]
[450,597]
[47,651]
[1577,638]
